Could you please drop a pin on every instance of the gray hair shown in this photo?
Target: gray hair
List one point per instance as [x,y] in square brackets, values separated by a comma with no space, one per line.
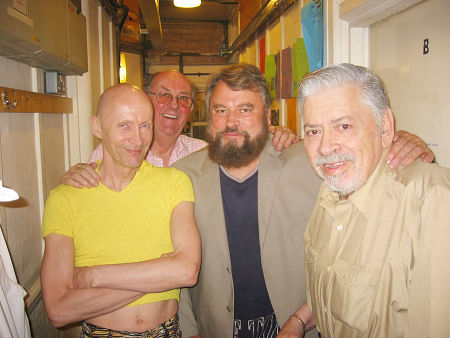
[372,90]
[148,82]
[242,76]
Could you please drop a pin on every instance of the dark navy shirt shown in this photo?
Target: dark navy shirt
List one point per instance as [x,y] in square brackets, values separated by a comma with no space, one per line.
[253,312]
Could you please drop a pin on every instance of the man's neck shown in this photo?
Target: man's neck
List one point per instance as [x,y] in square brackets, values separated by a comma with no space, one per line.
[163,146]
[242,172]
[116,178]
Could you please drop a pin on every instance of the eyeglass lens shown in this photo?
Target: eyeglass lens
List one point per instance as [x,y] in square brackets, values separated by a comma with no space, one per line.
[165,98]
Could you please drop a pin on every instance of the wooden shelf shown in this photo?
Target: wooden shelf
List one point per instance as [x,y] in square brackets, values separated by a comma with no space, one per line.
[30,102]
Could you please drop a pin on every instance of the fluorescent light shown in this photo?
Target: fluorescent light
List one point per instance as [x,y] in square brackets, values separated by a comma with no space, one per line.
[187,3]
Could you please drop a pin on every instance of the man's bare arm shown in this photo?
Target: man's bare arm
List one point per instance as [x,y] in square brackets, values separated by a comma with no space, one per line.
[63,303]
[173,270]
[297,325]
[407,148]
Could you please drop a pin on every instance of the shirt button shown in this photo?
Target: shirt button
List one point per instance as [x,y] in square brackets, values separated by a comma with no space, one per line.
[347,276]
[228,309]
[339,227]
[228,269]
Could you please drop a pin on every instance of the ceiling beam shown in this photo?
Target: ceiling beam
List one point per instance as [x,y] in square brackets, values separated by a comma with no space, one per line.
[260,19]
[150,12]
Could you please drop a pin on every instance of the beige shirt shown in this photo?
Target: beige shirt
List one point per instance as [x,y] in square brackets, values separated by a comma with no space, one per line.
[378,263]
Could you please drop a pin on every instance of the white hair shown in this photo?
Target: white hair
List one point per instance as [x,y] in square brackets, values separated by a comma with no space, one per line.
[372,90]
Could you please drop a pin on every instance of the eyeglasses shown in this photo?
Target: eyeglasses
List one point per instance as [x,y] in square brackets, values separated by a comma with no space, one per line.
[165,98]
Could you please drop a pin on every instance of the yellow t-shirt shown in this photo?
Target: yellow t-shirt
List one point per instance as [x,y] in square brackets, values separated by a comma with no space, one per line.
[110,227]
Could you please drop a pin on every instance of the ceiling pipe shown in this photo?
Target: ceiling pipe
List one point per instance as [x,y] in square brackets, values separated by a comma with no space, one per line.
[260,19]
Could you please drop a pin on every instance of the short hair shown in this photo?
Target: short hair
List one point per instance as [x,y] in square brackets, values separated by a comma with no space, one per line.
[148,82]
[372,90]
[242,76]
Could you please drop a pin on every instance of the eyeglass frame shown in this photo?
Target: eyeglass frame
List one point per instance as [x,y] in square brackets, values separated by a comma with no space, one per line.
[157,95]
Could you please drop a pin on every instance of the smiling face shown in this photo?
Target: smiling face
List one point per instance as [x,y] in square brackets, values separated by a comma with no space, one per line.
[170,118]
[342,139]
[124,124]
[239,125]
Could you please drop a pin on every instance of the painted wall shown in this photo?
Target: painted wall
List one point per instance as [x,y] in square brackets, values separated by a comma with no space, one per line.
[35,149]
[279,35]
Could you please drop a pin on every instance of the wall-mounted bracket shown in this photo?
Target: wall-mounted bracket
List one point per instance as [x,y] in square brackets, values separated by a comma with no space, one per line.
[6,102]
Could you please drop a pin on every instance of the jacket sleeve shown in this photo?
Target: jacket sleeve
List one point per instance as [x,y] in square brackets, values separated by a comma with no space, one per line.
[188,323]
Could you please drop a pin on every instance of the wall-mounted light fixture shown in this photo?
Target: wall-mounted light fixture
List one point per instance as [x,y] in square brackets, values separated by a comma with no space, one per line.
[187,3]
[123,68]
[7,195]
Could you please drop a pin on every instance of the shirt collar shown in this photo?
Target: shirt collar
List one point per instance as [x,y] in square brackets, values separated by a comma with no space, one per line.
[179,146]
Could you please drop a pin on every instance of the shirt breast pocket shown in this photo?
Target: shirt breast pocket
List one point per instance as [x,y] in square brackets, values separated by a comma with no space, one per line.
[352,295]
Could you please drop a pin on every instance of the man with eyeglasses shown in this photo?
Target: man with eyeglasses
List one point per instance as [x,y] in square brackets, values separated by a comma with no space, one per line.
[172,96]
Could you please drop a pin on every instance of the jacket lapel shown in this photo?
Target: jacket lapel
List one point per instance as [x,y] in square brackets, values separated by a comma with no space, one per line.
[268,176]
[214,207]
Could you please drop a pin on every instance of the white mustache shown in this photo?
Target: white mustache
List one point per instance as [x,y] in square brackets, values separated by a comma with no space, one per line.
[334,157]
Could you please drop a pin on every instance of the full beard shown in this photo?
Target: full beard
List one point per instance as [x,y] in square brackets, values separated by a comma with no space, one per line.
[230,155]
[336,183]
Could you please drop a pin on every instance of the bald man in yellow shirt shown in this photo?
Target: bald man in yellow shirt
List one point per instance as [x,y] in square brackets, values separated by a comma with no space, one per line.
[117,254]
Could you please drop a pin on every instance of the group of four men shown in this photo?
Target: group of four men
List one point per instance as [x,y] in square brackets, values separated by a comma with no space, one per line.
[117,253]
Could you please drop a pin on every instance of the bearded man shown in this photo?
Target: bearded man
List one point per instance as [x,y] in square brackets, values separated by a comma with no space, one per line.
[251,208]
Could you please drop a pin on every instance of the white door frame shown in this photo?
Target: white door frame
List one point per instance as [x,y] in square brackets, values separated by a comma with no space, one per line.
[347,26]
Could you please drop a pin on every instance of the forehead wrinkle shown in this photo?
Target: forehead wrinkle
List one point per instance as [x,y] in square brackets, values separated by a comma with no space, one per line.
[169,90]
[218,105]
[311,125]
[163,88]
[333,122]
[246,104]
[340,119]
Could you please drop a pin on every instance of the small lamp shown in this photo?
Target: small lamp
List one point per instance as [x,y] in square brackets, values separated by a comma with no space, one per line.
[7,195]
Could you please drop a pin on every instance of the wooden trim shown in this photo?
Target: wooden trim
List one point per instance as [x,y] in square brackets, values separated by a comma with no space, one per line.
[33,293]
[30,102]
[150,12]
[363,13]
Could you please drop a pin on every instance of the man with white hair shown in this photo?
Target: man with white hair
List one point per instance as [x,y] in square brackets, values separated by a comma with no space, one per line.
[376,245]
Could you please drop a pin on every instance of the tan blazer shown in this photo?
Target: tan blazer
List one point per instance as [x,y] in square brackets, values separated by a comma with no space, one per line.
[287,189]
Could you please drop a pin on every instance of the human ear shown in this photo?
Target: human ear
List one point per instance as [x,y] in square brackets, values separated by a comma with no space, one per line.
[387,129]
[95,127]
